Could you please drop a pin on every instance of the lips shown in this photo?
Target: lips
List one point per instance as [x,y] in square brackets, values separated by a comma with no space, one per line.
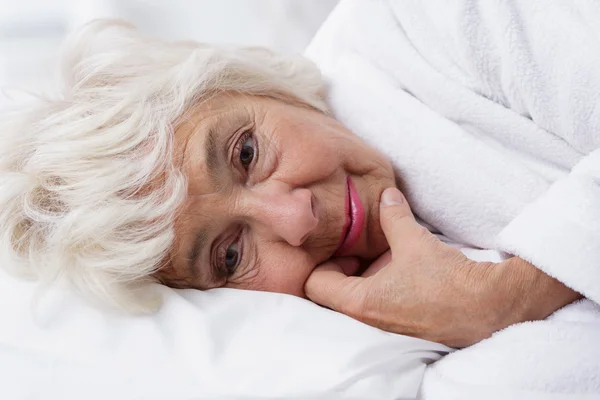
[355,220]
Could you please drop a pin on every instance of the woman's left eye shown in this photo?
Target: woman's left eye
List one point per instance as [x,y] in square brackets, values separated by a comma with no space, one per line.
[232,258]
[247,150]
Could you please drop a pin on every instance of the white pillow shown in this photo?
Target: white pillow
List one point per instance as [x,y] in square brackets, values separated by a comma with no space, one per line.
[222,343]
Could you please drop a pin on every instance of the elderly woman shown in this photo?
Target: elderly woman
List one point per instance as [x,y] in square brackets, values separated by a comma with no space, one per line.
[202,167]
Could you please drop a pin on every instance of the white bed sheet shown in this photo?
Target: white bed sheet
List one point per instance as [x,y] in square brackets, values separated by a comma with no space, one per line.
[218,344]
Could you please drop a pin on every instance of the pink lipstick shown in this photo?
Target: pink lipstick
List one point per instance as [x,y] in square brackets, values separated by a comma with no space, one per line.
[355,220]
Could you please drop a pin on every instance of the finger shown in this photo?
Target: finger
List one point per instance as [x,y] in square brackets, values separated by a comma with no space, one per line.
[348,265]
[329,286]
[396,218]
[378,264]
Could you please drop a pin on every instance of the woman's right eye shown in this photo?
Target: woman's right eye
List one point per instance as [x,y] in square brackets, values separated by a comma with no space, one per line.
[247,151]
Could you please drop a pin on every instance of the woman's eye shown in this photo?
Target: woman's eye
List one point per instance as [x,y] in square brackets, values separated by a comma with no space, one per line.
[247,151]
[232,256]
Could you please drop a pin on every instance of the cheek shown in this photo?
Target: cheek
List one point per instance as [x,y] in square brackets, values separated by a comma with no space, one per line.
[329,151]
[298,143]
[309,162]
[284,271]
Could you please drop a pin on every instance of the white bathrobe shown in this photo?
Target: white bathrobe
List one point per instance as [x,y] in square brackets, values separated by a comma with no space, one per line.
[490,111]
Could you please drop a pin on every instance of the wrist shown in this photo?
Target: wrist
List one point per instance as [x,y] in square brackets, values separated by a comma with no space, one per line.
[513,291]
[541,295]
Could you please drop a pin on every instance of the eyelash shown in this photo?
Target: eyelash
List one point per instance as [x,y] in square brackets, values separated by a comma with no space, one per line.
[239,146]
[221,264]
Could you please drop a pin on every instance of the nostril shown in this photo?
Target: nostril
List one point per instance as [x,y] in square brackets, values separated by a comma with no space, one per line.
[303,239]
[313,205]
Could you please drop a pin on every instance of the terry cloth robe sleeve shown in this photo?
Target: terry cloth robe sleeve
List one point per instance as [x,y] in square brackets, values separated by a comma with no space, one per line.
[496,97]
[548,55]
[540,59]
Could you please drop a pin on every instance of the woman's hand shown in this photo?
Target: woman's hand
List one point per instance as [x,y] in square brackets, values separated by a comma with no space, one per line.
[425,288]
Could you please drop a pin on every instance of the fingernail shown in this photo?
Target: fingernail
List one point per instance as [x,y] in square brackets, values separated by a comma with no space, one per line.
[391,197]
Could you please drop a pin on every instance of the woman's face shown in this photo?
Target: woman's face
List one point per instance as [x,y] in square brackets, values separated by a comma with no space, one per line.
[274,190]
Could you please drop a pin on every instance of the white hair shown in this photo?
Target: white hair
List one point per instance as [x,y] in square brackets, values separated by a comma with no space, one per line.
[89,190]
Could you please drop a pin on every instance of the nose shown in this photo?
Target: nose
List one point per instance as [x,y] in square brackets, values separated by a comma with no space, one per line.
[287,212]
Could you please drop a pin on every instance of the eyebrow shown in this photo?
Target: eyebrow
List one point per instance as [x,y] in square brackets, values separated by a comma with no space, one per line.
[212,158]
[210,152]
[199,243]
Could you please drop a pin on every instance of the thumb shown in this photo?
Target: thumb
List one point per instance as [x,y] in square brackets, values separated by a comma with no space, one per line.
[329,286]
[396,218]
[377,265]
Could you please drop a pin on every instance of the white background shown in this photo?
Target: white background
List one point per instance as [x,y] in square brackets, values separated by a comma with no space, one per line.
[31,30]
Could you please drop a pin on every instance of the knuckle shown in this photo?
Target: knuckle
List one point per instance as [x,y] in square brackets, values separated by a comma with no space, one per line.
[421,242]
[374,307]
[423,234]
[345,298]
[397,214]
[429,242]
[355,308]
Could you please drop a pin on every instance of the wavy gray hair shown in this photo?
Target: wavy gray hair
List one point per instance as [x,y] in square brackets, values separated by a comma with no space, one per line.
[88,186]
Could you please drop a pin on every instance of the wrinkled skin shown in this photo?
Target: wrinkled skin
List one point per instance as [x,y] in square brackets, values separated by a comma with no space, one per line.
[267,197]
